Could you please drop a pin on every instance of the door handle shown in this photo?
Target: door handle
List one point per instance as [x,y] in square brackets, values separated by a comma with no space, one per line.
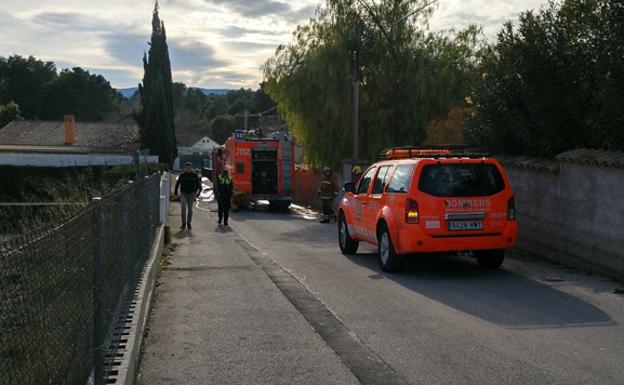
[364,203]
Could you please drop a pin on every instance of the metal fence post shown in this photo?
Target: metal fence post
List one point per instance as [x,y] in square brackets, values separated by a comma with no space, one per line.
[164,198]
[98,314]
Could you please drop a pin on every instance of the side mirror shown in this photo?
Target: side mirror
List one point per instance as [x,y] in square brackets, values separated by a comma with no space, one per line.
[349,187]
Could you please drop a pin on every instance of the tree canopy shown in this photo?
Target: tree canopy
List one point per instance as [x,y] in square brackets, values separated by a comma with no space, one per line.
[408,76]
[40,92]
[23,81]
[554,82]
[76,91]
[218,115]
[9,113]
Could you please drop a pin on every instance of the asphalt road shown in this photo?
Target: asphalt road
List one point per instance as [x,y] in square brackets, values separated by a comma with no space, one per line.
[444,321]
[307,314]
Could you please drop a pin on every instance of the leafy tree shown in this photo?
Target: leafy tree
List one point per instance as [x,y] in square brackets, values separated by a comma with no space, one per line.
[261,101]
[408,76]
[9,113]
[76,91]
[157,116]
[221,128]
[23,80]
[554,82]
[447,130]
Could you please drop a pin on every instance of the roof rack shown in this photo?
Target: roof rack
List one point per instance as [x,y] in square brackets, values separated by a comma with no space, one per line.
[410,152]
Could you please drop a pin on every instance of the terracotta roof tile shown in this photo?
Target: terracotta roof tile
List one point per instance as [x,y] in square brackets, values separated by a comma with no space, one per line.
[540,164]
[593,157]
[119,136]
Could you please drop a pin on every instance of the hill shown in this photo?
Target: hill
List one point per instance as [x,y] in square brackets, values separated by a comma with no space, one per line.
[128,92]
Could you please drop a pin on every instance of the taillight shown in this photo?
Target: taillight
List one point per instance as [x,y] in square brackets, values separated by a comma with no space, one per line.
[511,209]
[411,211]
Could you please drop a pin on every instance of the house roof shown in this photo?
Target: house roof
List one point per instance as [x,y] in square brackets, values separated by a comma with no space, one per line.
[48,136]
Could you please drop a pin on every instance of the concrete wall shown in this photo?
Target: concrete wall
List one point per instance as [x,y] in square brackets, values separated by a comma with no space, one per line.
[69,160]
[573,214]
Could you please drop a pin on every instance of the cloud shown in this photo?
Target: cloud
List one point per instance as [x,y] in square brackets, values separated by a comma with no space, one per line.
[73,21]
[238,32]
[260,8]
[184,55]
[193,55]
[254,8]
[126,48]
[251,45]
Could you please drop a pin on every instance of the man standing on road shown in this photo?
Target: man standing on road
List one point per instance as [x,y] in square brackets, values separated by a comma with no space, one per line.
[224,196]
[189,186]
[328,192]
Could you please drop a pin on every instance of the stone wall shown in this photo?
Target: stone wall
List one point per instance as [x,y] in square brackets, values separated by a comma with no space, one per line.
[571,211]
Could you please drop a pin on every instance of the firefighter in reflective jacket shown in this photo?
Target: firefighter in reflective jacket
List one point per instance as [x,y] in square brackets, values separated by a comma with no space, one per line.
[328,192]
[224,196]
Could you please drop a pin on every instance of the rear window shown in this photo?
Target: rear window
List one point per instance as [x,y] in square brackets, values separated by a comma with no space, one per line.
[401,179]
[461,180]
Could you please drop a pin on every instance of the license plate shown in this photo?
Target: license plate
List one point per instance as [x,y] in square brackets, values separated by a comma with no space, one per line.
[465,225]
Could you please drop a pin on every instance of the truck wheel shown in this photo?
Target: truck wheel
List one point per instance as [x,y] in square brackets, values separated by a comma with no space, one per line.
[490,259]
[347,244]
[389,260]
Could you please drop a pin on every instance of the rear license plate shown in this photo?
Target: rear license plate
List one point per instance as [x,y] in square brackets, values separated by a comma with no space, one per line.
[465,225]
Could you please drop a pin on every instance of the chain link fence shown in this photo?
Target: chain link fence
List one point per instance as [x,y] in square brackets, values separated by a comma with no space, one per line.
[63,287]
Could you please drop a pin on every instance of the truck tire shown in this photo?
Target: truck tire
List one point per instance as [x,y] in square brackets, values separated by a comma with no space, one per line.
[347,244]
[490,259]
[389,260]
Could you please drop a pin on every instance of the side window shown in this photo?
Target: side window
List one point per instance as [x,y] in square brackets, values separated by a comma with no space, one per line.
[381,179]
[401,179]
[365,181]
[240,168]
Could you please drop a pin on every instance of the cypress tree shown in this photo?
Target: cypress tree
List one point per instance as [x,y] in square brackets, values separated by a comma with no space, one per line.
[157,115]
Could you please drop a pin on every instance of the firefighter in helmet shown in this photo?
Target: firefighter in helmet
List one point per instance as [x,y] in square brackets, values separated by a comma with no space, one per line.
[225,189]
[328,192]
[356,173]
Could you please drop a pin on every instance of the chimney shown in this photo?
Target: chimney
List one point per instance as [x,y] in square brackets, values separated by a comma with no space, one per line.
[70,129]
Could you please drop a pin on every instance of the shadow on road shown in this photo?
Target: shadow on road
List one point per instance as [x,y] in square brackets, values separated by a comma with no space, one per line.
[497,296]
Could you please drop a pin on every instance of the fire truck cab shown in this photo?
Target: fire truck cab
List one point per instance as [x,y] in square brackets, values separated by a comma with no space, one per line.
[262,168]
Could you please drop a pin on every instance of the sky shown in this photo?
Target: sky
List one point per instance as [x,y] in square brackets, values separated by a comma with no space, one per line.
[212,43]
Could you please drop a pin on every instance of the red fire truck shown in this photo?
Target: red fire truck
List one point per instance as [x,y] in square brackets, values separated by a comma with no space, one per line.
[262,168]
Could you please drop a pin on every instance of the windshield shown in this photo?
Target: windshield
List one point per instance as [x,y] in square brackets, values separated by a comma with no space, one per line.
[461,180]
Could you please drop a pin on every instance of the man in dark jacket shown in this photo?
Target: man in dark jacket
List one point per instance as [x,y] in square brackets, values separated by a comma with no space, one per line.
[189,186]
[225,187]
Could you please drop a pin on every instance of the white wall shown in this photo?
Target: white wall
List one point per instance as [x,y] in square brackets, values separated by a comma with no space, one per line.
[69,160]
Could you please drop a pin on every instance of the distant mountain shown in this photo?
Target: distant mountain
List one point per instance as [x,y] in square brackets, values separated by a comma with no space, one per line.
[129,92]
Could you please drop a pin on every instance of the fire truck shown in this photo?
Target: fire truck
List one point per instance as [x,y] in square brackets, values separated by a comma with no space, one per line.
[262,168]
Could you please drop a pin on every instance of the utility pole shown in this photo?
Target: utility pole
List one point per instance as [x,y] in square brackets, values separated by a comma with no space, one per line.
[355,80]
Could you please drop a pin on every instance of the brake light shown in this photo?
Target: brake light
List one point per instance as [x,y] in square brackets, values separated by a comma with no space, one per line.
[411,211]
[511,209]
